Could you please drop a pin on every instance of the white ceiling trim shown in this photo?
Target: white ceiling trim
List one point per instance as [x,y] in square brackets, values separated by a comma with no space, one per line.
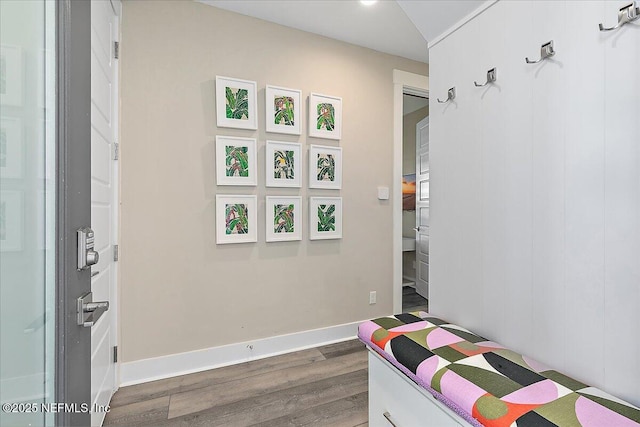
[433,18]
[461,22]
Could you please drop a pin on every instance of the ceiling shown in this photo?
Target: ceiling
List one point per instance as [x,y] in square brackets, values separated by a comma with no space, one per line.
[383,26]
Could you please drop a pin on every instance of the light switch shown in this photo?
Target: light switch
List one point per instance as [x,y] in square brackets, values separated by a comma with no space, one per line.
[383,193]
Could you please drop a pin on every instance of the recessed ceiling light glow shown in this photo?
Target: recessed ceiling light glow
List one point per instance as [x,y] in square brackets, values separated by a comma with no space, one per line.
[367,2]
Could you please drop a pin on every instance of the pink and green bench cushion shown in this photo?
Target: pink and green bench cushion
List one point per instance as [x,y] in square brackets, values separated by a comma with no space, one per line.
[486,383]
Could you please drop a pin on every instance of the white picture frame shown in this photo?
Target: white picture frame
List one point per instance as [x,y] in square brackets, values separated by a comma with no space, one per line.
[236,161]
[325,218]
[325,116]
[283,164]
[238,117]
[325,167]
[283,218]
[11,216]
[11,148]
[236,219]
[283,110]
[10,75]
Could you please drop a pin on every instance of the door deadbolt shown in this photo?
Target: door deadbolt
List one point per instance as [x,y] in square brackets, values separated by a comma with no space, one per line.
[86,255]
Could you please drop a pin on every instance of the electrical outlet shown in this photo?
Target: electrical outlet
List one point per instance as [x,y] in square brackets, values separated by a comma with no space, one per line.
[372,297]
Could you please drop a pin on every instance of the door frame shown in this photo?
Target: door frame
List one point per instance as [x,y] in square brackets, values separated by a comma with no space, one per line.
[403,81]
[73,207]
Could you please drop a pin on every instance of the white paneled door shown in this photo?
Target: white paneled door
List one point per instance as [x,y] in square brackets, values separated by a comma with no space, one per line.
[104,32]
[422,207]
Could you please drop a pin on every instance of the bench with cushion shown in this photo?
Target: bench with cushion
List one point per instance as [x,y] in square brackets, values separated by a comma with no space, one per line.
[425,371]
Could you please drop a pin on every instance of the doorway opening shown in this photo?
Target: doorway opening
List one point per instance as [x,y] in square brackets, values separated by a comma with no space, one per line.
[415,112]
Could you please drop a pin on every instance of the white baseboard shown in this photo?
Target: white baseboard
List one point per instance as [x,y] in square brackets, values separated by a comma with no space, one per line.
[145,370]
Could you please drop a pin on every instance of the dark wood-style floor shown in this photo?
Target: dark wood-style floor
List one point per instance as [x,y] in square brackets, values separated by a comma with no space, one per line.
[412,301]
[324,386]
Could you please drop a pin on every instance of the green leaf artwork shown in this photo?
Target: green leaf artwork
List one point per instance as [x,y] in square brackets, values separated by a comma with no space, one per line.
[3,148]
[326,218]
[3,75]
[237,161]
[283,219]
[3,221]
[236,219]
[326,119]
[283,109]
[326,167]
[283,164]
[237,103]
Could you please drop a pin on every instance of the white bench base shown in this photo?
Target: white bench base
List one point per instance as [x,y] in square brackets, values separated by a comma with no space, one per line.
[404,402]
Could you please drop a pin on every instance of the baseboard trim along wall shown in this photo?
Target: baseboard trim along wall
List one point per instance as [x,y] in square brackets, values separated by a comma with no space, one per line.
[156,368]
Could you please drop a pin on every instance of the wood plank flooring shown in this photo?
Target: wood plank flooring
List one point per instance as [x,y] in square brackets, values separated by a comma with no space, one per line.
[324,386]
[412,301]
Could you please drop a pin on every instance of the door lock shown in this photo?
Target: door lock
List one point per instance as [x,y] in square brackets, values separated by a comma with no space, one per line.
[88,311]
[86,255]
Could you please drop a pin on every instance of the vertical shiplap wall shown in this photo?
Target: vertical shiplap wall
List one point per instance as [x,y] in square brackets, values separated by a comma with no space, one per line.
[535,199]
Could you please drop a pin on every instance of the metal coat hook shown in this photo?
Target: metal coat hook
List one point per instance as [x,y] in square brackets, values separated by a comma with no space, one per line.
[546,51]
[451,95]
[492,76]
[626,14]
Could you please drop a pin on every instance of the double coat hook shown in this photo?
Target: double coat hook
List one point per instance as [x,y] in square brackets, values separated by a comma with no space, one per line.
[451,95]
[628,13]
[492,76]
[546,51]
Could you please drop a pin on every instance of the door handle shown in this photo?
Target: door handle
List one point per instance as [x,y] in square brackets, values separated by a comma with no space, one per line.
[390,420]
[88,311]
[416,228]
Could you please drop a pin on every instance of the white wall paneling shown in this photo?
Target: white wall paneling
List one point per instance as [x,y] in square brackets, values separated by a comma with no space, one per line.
[621,205]
[584,188]
[535,195]
[548,180]
[515,79]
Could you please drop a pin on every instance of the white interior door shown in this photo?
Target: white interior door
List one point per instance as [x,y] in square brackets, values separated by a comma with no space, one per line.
[104,32]
[422,207]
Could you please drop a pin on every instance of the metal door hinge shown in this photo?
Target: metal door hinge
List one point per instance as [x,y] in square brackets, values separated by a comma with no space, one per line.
[115,252]
[115,353]
[116,50]
[116,151]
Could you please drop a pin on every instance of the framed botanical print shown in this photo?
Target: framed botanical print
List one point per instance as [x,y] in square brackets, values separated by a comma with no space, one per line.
[236,161]
[11,148]
[11,74]
[283,164]
[236,103]
[325,218]
[283,110]
[236,219]
[325,116]
[325,167]
[11,220]
[284,218]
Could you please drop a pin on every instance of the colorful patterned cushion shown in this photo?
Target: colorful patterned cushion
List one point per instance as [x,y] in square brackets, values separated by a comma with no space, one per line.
[486,383]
